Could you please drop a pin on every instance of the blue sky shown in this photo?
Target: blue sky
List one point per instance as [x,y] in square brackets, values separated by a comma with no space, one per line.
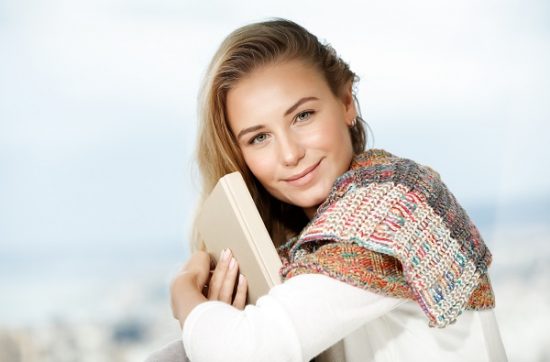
[98,105]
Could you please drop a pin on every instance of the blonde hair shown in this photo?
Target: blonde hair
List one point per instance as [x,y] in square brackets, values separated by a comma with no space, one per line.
[243,51]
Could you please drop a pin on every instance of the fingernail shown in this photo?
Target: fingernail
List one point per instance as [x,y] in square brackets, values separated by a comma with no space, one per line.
[241,278]
[225,253]
[232,263]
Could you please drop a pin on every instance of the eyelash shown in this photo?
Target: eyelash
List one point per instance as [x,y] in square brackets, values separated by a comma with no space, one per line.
[309,114]
[253,140]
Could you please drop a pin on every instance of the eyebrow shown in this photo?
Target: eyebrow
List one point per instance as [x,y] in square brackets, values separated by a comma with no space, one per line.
[249,129]
[288,111]
[300,102]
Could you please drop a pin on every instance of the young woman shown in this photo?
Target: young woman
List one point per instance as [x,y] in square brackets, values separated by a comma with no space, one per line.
[375,249]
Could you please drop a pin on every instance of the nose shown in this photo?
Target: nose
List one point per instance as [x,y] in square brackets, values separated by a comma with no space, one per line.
[291,150]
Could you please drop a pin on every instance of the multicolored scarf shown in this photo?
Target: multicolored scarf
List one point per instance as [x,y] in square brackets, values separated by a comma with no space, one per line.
[391,226]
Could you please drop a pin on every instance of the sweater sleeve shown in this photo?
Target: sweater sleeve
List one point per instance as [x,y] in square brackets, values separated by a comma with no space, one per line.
[296,321]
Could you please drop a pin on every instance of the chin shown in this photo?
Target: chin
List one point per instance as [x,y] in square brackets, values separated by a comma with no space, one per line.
[312,201]
[305,199]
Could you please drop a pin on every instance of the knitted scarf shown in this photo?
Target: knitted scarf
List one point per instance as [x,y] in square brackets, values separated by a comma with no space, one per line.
[391,226]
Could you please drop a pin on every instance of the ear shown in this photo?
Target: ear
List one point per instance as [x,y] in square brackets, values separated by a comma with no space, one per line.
[348,102]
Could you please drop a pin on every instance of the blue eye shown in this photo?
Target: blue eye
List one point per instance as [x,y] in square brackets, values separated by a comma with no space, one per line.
[302,116]
[258,138]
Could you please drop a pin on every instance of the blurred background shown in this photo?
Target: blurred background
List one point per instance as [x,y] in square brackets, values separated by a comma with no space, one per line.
[97,133]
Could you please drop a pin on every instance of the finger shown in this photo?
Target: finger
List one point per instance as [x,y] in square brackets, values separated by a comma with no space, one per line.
[205,290]
[218,276]
[228,285]
[240,296]
[197,264]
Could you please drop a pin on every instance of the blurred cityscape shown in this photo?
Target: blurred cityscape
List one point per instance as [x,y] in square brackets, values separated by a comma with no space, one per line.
[124,340]
[111,313]
[126,316]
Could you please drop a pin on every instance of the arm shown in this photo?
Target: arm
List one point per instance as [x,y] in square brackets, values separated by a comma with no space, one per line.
[296,321]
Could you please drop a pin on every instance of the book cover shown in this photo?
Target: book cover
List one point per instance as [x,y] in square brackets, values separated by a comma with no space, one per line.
[229,219]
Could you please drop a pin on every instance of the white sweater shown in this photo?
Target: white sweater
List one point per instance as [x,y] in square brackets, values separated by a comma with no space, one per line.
[309,313]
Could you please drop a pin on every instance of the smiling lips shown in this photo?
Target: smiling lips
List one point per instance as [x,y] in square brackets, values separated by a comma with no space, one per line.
[303,177]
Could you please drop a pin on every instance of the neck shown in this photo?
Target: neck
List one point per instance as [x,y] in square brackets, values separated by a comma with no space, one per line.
[310,211]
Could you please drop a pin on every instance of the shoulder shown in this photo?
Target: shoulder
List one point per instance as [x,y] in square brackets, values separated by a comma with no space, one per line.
[383,197]
[379,169]
[380,166]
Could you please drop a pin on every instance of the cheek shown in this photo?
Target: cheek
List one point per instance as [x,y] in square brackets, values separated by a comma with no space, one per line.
[328,136]
[340,134]
[260,164]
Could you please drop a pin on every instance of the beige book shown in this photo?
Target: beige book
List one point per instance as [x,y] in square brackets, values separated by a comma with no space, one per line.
[229,219]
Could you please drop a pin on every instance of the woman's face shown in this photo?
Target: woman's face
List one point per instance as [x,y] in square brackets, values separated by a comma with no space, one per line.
[292,130]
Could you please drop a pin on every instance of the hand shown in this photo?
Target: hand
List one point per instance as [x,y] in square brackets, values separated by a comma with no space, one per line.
[198,268]
[222,283]
[186,287]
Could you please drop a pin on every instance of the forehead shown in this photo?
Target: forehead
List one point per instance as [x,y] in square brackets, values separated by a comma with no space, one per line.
[273,88]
